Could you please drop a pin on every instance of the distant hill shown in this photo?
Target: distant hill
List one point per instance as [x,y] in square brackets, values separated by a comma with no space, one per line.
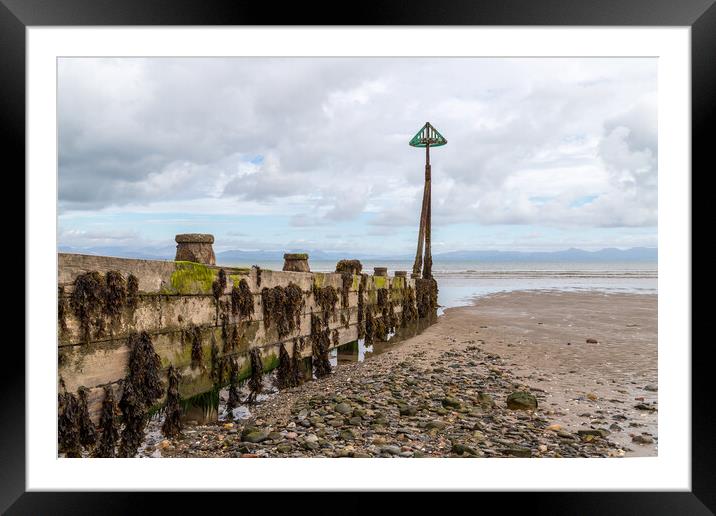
[148,253]
[635,254]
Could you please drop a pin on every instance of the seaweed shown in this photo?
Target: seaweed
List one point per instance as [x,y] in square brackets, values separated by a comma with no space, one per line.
[242,300]
[256,378]
[229,335]
[284,376]
[115,295]
[294,305]
[172,409]
[134,415]
[109,432]
[380,328]
[62,310]
[297,362]
[320,342]
[426,295]
[258,276]
[349,266]
[409,311]
[215,369]
[87,301]
[132,292]
[144,367]
[68,423]
[383,298]
[361,309]
[233,400]
[197,353]
[326,298]
[387,320]
[219,285]
[346,283]
[220,368]
[282,307]
[88,434]
[368,333]
[392,320]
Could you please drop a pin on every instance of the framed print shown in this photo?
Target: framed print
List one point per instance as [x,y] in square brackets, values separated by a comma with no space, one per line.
[421,233]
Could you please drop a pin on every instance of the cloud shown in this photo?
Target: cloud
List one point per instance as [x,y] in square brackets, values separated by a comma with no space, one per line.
[324,141]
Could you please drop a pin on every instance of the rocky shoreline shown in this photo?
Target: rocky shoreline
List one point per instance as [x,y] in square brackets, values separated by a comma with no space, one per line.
[441,394]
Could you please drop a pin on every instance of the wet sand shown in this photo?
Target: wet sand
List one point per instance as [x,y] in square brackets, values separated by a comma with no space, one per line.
[543,335]
[443,393]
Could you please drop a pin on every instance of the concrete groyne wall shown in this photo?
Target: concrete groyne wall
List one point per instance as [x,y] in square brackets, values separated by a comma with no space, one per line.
[199,317]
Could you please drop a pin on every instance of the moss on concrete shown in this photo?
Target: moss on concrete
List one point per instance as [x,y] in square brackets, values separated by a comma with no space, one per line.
[236,278]
[192,278]
[397,283]
[319,279]
[270,362]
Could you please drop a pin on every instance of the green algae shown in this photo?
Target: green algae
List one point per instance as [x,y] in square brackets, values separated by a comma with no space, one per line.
[319,279]
[192,278]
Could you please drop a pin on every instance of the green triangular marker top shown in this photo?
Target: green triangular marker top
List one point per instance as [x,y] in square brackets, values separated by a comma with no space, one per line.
[428,134]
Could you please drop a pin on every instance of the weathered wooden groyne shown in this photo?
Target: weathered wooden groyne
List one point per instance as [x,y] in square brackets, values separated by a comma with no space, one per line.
[209,327]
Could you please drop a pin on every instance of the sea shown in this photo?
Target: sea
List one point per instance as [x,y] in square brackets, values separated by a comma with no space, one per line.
[459,283]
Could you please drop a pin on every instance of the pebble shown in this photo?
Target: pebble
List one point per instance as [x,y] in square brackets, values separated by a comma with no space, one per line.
[436,407]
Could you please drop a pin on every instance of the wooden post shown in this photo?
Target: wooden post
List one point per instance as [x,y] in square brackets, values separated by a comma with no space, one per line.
[428,260]
[418,265]
[426,137]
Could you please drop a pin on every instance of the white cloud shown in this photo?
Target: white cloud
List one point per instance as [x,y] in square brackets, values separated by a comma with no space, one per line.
[324,140]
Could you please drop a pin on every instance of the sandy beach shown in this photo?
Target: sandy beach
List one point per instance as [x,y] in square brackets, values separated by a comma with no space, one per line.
[589,359]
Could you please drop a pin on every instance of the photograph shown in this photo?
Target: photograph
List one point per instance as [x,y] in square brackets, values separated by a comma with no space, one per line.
[357,257]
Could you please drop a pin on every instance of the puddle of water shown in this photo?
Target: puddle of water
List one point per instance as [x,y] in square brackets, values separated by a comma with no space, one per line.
[243,411]
[358,351]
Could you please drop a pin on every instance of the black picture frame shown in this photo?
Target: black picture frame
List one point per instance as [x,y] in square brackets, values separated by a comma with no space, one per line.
[700,15]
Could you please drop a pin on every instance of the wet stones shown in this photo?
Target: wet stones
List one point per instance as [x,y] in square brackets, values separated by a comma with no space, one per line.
[485,401]
[521,400]
[435,424]
[593,432]
[343,408]
[642,439]
[517,451]
[407,410]
[452,403]
[461,449]
[251,434]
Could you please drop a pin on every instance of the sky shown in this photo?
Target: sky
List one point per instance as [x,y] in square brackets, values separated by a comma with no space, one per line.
[312,153]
